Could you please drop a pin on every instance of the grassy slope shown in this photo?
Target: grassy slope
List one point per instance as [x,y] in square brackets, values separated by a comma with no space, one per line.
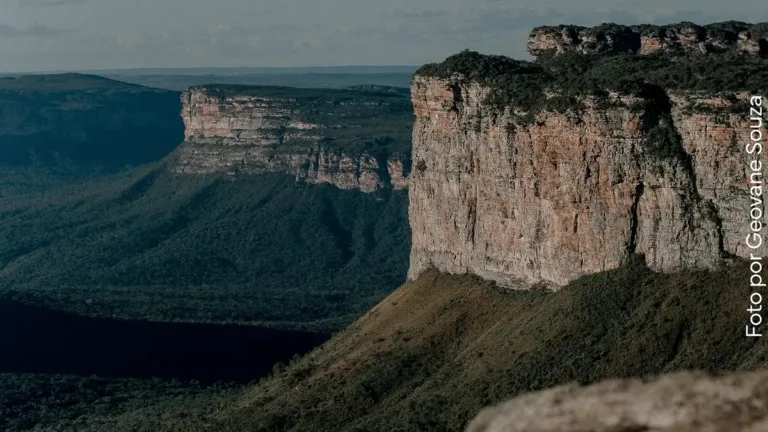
[436,351]
[150,245]
[432,354]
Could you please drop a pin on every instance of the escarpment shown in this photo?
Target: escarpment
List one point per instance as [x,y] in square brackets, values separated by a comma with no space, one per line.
[353,139]
[683,38]
[527,173]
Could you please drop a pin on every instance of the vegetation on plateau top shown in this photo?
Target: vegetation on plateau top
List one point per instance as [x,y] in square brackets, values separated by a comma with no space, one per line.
[524,84]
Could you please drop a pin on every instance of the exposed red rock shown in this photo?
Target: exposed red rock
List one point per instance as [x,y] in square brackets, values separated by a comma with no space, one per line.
[569,195]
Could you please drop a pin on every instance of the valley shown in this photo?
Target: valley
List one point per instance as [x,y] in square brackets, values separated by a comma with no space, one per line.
[122,285]
[375,258]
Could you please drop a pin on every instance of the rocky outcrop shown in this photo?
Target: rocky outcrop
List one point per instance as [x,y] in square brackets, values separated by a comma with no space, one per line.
[683,38]
[253,132]
[681,402]
[575,192]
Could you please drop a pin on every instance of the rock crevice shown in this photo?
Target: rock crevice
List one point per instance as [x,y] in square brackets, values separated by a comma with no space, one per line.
[570,193]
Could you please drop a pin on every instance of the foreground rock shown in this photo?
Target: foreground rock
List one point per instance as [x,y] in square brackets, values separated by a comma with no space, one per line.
[682,402]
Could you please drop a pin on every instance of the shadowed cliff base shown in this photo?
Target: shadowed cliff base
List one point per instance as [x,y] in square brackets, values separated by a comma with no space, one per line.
[37,340]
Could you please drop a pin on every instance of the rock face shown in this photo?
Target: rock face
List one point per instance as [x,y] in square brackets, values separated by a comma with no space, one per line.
[683,38]
[682,402]
[567,195]
[253,132]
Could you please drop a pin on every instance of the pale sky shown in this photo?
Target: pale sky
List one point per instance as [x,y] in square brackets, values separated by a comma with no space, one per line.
[42,35]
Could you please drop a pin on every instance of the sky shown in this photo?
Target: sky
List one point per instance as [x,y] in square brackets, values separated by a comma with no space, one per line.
[47,35]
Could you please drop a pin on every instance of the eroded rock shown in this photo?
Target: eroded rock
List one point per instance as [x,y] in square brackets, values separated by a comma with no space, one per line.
[676,39]
[680,402]
[567,195]
[249,134]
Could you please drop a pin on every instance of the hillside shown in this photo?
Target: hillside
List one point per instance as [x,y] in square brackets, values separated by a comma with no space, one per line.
[432,354]
[76,124]
[149,244]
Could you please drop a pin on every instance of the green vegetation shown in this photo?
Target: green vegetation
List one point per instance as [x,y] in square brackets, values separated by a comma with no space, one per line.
[440,348]
[524,85]
[146,244]
[77,125]
[364,119]
[76,403]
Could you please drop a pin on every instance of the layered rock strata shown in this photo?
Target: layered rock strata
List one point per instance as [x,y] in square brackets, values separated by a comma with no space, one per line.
[570,194]
[683,38]
[240,133]
[681,402]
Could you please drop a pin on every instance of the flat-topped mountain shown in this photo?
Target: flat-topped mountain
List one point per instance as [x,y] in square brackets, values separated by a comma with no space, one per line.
[357,138]
[540,172]
[683,38]
[75,121]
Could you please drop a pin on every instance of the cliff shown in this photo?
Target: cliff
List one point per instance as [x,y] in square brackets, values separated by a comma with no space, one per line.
[353,139]
[531,173]
[682,38]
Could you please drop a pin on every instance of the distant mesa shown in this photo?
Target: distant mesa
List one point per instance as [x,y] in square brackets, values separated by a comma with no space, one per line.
[357,138]
[677,39]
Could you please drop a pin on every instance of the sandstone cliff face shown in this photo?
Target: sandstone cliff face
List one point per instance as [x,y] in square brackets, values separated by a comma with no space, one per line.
[683,38]
[246,134]
[568,195]
[681,402]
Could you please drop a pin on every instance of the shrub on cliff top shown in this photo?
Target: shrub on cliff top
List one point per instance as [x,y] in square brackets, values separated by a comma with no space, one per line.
[522,84]
[474,66]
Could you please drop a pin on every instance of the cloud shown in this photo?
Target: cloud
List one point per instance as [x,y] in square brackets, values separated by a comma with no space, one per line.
[32,30]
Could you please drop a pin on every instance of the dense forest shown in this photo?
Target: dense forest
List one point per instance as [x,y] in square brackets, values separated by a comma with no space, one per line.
[150,245]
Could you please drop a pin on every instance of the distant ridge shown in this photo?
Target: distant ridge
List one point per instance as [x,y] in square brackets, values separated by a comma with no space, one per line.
[362,69]
[62,82]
